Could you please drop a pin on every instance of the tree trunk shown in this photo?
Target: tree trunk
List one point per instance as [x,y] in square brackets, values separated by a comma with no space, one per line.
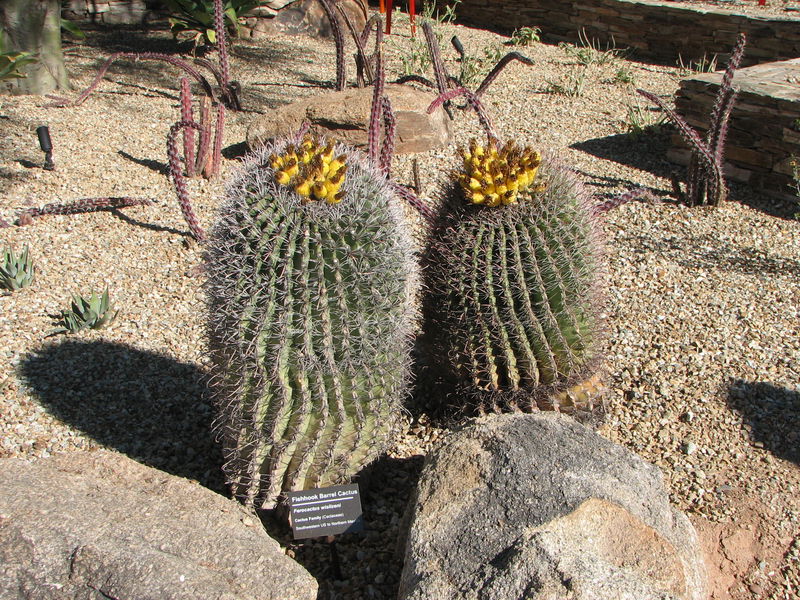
[34,26]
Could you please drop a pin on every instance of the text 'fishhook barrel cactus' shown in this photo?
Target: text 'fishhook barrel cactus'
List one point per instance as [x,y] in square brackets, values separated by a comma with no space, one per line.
[512,269]
[311,275]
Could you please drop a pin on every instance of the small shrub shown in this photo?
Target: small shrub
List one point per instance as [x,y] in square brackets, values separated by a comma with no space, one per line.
[525,36]
[431,11]
[702,65]
[16,271]
[588,52]
[94,312]
[705,181]
[571,85]
[624,75]
[640,120]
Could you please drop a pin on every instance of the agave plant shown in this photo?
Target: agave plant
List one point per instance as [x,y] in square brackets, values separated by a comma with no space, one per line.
[94,312]
[16,271]
[197,17]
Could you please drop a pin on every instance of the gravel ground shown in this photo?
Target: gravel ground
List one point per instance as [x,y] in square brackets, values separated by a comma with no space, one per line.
[703,352]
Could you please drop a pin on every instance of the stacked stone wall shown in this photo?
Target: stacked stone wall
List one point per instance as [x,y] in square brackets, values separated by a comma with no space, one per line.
[654,31]
[110,12]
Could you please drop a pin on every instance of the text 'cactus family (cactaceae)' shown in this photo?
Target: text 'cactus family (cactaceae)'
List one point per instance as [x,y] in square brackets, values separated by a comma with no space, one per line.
[511,272]
[310,283]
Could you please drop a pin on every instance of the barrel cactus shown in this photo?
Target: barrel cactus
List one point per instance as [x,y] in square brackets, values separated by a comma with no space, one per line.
[311,276]
[512,278]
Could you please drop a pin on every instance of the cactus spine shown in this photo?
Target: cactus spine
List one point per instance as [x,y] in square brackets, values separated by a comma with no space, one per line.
[310,283]
[512,270]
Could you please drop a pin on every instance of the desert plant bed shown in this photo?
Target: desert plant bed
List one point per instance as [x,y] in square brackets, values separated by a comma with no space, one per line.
[703,348]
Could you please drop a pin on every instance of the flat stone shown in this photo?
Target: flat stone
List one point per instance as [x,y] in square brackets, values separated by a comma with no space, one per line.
[344,116]
[93,525]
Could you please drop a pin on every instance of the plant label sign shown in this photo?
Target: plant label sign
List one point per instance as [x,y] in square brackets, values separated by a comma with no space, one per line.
[325,511]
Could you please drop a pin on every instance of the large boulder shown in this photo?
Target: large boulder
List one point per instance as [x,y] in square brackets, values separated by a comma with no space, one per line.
[99,525]
[540,507]
[344,116]
[303,17]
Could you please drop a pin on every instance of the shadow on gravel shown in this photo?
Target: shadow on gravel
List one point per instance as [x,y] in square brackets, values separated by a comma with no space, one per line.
[772,415]
[710,252]
[645,152]
[370,561]
[148,406]
[153,165]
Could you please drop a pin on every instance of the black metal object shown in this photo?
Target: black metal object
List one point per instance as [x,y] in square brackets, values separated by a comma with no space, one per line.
[46,144]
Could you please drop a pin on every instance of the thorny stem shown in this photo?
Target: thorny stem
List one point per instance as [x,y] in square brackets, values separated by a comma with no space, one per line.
[363,67]
[180,182]
[376,110]
[389,129]
[413,200]
[619,200]
[188,133]
[501,64]
[416,79]
[474,102]
[212,166]
[73,208]
[339,39]
[182,64]
[205,135]
[222,42]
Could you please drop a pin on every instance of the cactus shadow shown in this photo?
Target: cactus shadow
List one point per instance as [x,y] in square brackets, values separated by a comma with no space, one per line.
[709,252]
[644,152]
[771,413]
[154,165]
[148,406]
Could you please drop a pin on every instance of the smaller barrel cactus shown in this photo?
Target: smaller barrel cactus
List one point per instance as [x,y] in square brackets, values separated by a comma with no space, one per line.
[512,274]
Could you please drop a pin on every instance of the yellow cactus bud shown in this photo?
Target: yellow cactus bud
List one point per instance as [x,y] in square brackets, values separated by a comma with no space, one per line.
[282,177]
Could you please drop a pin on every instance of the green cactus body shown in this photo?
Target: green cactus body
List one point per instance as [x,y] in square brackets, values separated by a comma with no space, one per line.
[513,285]
[311,316]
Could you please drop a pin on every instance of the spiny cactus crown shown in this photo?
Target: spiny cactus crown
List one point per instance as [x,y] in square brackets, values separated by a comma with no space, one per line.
[311,169]
[494,176]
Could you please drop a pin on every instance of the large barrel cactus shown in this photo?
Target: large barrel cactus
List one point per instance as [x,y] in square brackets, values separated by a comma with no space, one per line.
[310,283]
[512,278]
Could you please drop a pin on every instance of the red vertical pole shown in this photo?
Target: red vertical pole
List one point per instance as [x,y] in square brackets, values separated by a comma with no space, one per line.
[389,16]
[412,11]
[762,2]
[381,7]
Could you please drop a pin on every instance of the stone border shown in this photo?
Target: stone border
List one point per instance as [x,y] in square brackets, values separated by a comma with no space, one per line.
[653,30]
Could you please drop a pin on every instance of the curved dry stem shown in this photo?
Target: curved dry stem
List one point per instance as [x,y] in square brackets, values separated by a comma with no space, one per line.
[474,102]
[178,179]
[498,68]
[182,64]
[339,40]
[85,205]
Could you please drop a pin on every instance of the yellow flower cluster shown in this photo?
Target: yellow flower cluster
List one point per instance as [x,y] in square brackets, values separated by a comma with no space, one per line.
[311,170]
[494,176]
